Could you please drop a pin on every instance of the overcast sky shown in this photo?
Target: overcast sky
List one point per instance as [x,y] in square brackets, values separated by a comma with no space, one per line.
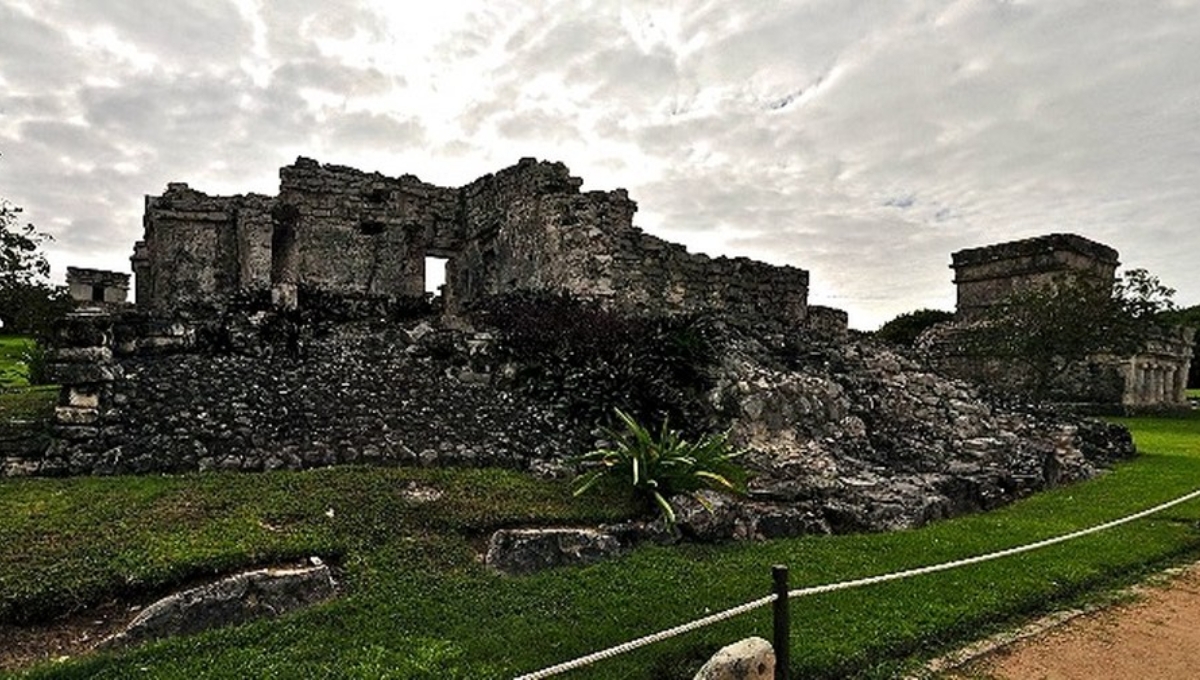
[861,140]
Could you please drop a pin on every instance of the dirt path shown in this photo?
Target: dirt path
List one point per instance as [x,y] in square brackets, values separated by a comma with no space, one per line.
[1156,636]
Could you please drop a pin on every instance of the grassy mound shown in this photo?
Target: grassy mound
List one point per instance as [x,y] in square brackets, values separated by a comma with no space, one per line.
[420,605]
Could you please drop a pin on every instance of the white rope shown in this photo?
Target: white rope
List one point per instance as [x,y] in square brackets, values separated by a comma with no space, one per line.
[843,585]
[649,639]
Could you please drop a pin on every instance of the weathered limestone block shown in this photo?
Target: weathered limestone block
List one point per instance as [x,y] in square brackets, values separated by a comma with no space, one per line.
[237,599]
[78,397]
[71,415]
[750,659]
[77,355]
[79,374]
[525,551]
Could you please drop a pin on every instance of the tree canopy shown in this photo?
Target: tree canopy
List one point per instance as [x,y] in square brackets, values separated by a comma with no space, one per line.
[1048,330]
[28,302]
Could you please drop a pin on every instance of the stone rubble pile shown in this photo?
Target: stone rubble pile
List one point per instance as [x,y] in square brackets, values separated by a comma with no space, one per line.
[842,435]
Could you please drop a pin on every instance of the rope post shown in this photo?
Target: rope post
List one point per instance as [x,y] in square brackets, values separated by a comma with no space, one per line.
[781,640]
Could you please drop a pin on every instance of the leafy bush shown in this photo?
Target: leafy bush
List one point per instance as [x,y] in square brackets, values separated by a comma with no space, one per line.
[590,360]
[906,328]
[658,467]
[35,360]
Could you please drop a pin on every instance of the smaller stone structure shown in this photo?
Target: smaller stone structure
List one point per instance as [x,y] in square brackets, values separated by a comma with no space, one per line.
[988,275]
[97,287]
[1155,377]
[1158,374]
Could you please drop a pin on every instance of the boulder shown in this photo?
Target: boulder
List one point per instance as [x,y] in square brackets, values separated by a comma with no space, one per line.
[750,659]
[236,599]
[525,551]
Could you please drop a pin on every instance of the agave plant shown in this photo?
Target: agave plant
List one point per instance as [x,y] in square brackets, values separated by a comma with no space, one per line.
[663,465]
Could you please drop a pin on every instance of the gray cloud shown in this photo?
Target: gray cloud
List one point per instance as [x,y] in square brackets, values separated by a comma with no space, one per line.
[864,140]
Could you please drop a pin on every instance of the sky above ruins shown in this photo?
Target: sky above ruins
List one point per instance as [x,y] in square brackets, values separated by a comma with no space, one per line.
[861,140]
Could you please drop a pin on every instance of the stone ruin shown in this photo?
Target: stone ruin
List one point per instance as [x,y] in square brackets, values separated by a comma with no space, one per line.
[1153,378]
[294,332]
[97,288]
[337,231]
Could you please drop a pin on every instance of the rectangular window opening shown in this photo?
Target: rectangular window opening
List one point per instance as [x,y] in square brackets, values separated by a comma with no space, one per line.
[435,275]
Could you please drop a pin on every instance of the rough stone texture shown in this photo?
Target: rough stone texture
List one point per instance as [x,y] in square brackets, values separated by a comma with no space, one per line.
[855,437]
[95,287]
[259,392]
[986,276]
[1156,377]
[237,599]
[525,551]
[749,659]
[341,231]
[843,436]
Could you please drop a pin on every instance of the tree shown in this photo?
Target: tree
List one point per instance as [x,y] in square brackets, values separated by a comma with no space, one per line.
[28,302]
[1044,332]
[904,329]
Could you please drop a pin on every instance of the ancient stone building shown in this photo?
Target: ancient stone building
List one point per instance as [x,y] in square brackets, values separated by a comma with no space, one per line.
[1155,377]
[259,341]
[987,276]
[95,287]
[340,231]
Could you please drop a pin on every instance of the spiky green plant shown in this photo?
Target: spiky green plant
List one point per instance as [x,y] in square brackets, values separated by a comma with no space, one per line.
[663,465]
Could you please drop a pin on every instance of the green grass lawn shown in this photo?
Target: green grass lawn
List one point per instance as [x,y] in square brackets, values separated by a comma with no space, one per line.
[13,372]
[419,605]
[1194,393]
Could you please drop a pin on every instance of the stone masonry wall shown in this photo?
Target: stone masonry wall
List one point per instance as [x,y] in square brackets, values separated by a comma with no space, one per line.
[529,227]
[341,231]
[363,233]
[142,395]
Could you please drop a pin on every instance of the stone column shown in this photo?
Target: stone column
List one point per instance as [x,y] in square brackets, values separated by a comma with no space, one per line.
[82,363]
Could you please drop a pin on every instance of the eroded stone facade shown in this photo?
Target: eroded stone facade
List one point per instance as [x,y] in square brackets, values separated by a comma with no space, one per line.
[336,230]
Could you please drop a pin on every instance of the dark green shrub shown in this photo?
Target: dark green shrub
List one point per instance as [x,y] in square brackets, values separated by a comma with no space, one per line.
[36,364]
[589,360]
[904,329]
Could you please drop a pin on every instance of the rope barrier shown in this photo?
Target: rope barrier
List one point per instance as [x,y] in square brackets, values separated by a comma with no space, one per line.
[895,576]
[843,585]
[649,639]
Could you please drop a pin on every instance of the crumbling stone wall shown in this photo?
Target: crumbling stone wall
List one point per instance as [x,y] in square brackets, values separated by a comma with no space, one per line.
[341,231]
[140,394]
[199,249]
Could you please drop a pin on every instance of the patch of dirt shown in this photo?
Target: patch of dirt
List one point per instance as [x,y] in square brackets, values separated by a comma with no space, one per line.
[23,646]
[79,633]
[1156,636]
